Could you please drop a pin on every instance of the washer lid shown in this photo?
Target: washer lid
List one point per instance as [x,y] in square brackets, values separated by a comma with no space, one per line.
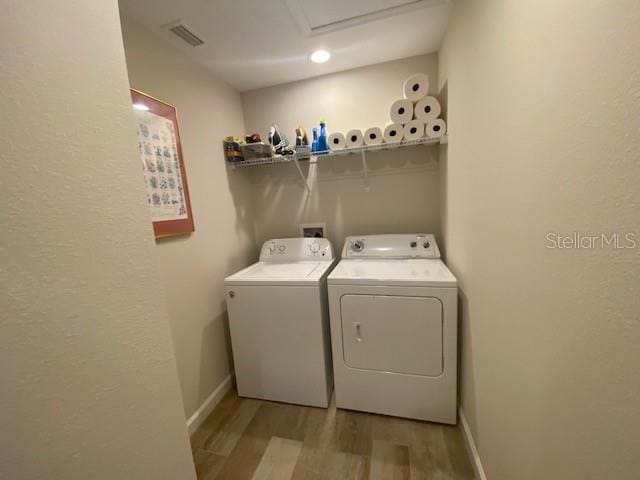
[415,272]
[281,273]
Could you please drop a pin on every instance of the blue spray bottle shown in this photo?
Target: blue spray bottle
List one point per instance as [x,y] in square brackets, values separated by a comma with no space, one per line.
[323,145]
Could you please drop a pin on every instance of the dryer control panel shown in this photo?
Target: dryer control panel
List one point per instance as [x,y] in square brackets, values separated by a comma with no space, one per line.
[296,249]
[416,245]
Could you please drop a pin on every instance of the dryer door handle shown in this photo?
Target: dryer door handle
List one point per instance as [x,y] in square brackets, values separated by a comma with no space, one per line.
[358,331]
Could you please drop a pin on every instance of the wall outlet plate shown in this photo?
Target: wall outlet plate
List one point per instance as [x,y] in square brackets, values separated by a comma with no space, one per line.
[313,230]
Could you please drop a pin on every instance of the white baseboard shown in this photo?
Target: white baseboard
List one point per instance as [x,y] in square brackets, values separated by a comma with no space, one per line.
[209,404]
[472,450]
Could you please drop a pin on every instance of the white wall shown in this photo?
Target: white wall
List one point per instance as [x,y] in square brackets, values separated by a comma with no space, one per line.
[89,387]
[404,188]
[544,102]
[192,268]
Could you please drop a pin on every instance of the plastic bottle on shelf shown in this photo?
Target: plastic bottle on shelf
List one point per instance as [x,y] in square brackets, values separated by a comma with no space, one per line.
[322,139]
[314,143]
[303,135]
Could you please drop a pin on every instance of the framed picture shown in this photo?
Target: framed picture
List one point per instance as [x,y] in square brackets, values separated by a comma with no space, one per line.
[163,165]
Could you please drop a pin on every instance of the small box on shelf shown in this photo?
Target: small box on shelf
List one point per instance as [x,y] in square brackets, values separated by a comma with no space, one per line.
[232,152]
[303,151]
[255,151]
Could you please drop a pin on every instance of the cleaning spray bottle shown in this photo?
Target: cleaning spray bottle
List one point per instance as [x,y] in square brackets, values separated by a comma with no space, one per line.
[322,140]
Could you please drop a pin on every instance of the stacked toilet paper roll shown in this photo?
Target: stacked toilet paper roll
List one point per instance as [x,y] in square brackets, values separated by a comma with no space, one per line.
[414,130]
[401,111]
[436,128]
[427,109]
[416,86]
[337,141]
[354,138]
[373,136]
[394,132]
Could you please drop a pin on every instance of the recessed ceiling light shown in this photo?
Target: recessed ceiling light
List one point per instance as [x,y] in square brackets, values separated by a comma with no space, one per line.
[320,56]
[141,107]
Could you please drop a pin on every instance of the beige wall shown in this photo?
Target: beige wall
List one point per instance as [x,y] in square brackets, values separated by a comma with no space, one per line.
[89,387]
[544,101]
[192,268]
[404,188]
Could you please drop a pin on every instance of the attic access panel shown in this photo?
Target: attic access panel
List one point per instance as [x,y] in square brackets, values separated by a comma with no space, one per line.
[332,15]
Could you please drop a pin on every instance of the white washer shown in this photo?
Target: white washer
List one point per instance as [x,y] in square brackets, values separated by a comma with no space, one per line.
[393,306]
[279,323]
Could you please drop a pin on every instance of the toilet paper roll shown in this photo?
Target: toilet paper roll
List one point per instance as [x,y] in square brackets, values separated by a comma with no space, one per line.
[373,136]
[354,138]
[414,130]
[427,109]
[394,132]
[416,86]
[337,141]
[436,129]
[401,111]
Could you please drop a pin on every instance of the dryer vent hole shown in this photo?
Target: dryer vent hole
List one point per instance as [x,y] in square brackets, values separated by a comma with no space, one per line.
[436,128]
[336,141]
[427,109]
[413,130]
[353,138]
[372,136]
[401,110]
[392,133]
[416,87]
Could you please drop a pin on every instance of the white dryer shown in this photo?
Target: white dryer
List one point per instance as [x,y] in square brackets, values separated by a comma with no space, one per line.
[393,307]
[279,323]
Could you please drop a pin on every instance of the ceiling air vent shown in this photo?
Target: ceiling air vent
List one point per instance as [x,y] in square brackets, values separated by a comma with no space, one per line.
[185,33]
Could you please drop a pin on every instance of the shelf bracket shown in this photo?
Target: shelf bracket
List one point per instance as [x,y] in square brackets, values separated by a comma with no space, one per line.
[304,180]
[365,173]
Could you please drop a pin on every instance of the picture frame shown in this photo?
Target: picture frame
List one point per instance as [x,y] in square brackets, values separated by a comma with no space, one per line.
[163,167]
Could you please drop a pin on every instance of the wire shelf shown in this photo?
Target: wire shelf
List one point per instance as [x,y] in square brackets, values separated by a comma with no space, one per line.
[337,153]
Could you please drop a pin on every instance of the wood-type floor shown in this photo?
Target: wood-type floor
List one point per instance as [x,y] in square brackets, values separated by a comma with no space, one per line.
[247,439]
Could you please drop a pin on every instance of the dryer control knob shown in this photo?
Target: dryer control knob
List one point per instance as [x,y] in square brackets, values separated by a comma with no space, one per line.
[414,244]
[357,246]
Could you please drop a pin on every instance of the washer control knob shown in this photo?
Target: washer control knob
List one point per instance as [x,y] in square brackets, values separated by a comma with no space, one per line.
[357,246]
[414,244]
[314,247]
[281,248]
[426,244]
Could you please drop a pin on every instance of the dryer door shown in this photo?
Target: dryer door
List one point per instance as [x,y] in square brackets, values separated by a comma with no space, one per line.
[399,334]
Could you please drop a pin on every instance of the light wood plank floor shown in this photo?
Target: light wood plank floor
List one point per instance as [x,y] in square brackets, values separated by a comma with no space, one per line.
[247,439]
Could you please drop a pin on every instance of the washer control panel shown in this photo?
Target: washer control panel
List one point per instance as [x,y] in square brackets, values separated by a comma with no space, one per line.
[419,245]
[296,249]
